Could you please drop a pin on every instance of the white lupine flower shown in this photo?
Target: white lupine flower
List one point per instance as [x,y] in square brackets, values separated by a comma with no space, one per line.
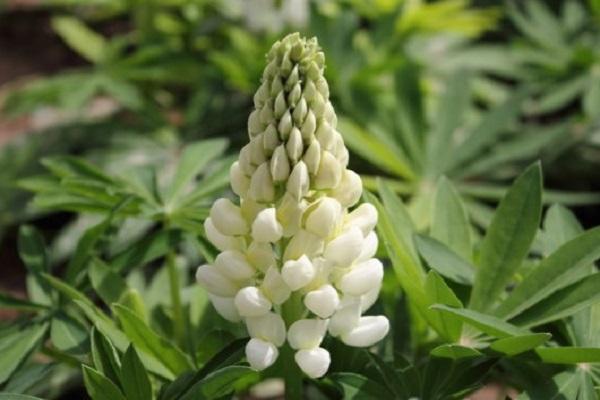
[251,302]
[369,331]
[313,362]
[265,227]
[294,237]
[298,273]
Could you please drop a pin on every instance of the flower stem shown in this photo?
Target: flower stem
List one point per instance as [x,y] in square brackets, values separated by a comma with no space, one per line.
[178,322]
[292,311]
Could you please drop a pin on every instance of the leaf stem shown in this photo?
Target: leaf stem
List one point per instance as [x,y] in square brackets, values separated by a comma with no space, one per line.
[174,287]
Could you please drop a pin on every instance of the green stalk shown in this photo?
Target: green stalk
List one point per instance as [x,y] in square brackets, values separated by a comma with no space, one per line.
[292,310]
[178,322]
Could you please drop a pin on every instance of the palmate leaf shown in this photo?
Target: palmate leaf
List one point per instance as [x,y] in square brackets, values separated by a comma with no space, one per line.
[80,38]
[68,334]
[445,261]
[455,351]
[18,345]
[100,387]
[519,344]
[134,378]
[359,387]
[438,292]
[508,238]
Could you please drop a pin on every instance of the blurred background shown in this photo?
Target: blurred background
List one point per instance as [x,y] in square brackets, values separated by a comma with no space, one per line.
[126,84]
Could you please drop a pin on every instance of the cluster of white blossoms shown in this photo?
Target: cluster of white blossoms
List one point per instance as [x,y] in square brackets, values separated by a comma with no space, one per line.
[297,235]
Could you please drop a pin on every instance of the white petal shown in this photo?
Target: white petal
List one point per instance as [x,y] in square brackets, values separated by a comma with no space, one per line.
[313,362]
[269,327]
[369,249]
[323,301]
[369,298]
[330,172]
[299,181]
[324,217]
[234,265]
[303,243]
[280,164]
[346,318]
[370,330]
[220,241]
[251,302]
[261,255]
[349,190]
[289,214]
[265,227]
[364,217]
[227,218]
[274,287]
[298,273]
[225,307]
[362,278]
[261,354]
[239,181]
[307,333]
[345,248]
[214,282]
[261,184]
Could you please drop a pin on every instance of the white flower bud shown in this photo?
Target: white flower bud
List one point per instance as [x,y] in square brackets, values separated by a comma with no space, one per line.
[247,167]
[303,243]
[274,287]
[322,87]
[250,209]
[362,278]
[234,265]
[341,153]
[285,125]
[318,105]
[280,105]
[313,71]
[310,90]
[370,330]
[261,95]
[312,157]
[251,302]
[227,218]
[323,219]
[214,282]
[266,113]
[329,174]
[225,307]
[300,111]
[299,181]
[220,241]
[293,78]
[326,136]
[261,184]
[329,114]
[270,139]
[323,301]
[298,273]
[269,327]
[313,362]
[257,151]
[349,190]
[239,181]
[346,318]
[294,145]
[369,248]
[261,354]
[265,227]
[369,298]
[294,95]
[276,86]
[254,124]
[307,333]
[309,126]
[280,165]
[345,248]
[261,255]
[364,218]
[289,214]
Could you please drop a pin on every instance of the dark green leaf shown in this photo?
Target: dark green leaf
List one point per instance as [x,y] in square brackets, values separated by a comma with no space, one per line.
[99,387]
[520,344]
[146,250]
[359,387]
[219,383]
[568,355]
[104,356]
[10,302]
[15,396]
[454,351]
[134,378]
[107,283]
[17,346]
[32,249]
[485,323]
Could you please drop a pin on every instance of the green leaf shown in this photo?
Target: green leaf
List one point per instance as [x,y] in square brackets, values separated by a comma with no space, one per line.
[485,323]
[445,261]
[591,98]
[87,43]
[32,249]
[104,356]
[560,269]
[150,342]
[220,383]
[134,378]
[439,293]
[68,334]
[17,346]
[562,303]
[450,114]
[357,387]
[560,226]
[99,387]
[563,386]
[508,238]
[15,396]
[193,160]
[520,344]
[569,355]
[146,250]
[107,283]
[450,223]
[9,302]
[454,351]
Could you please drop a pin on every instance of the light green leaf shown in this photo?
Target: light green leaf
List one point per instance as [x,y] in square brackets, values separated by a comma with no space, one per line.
[151,343]
[508,238]
[146,250]
[454,351]
[439,293]
[193,160]
[450,223]
[560,226]
[68,334]
[9,302]
[562,303]
[16,346]
[569,355]
[15,396]
[563,386]
[134,378]
[87,43]
[32,249]
[445,261]
[591,98]
[104,356]
[107,283]
[560,269]
[99,387]
[485,323]
[520,344]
